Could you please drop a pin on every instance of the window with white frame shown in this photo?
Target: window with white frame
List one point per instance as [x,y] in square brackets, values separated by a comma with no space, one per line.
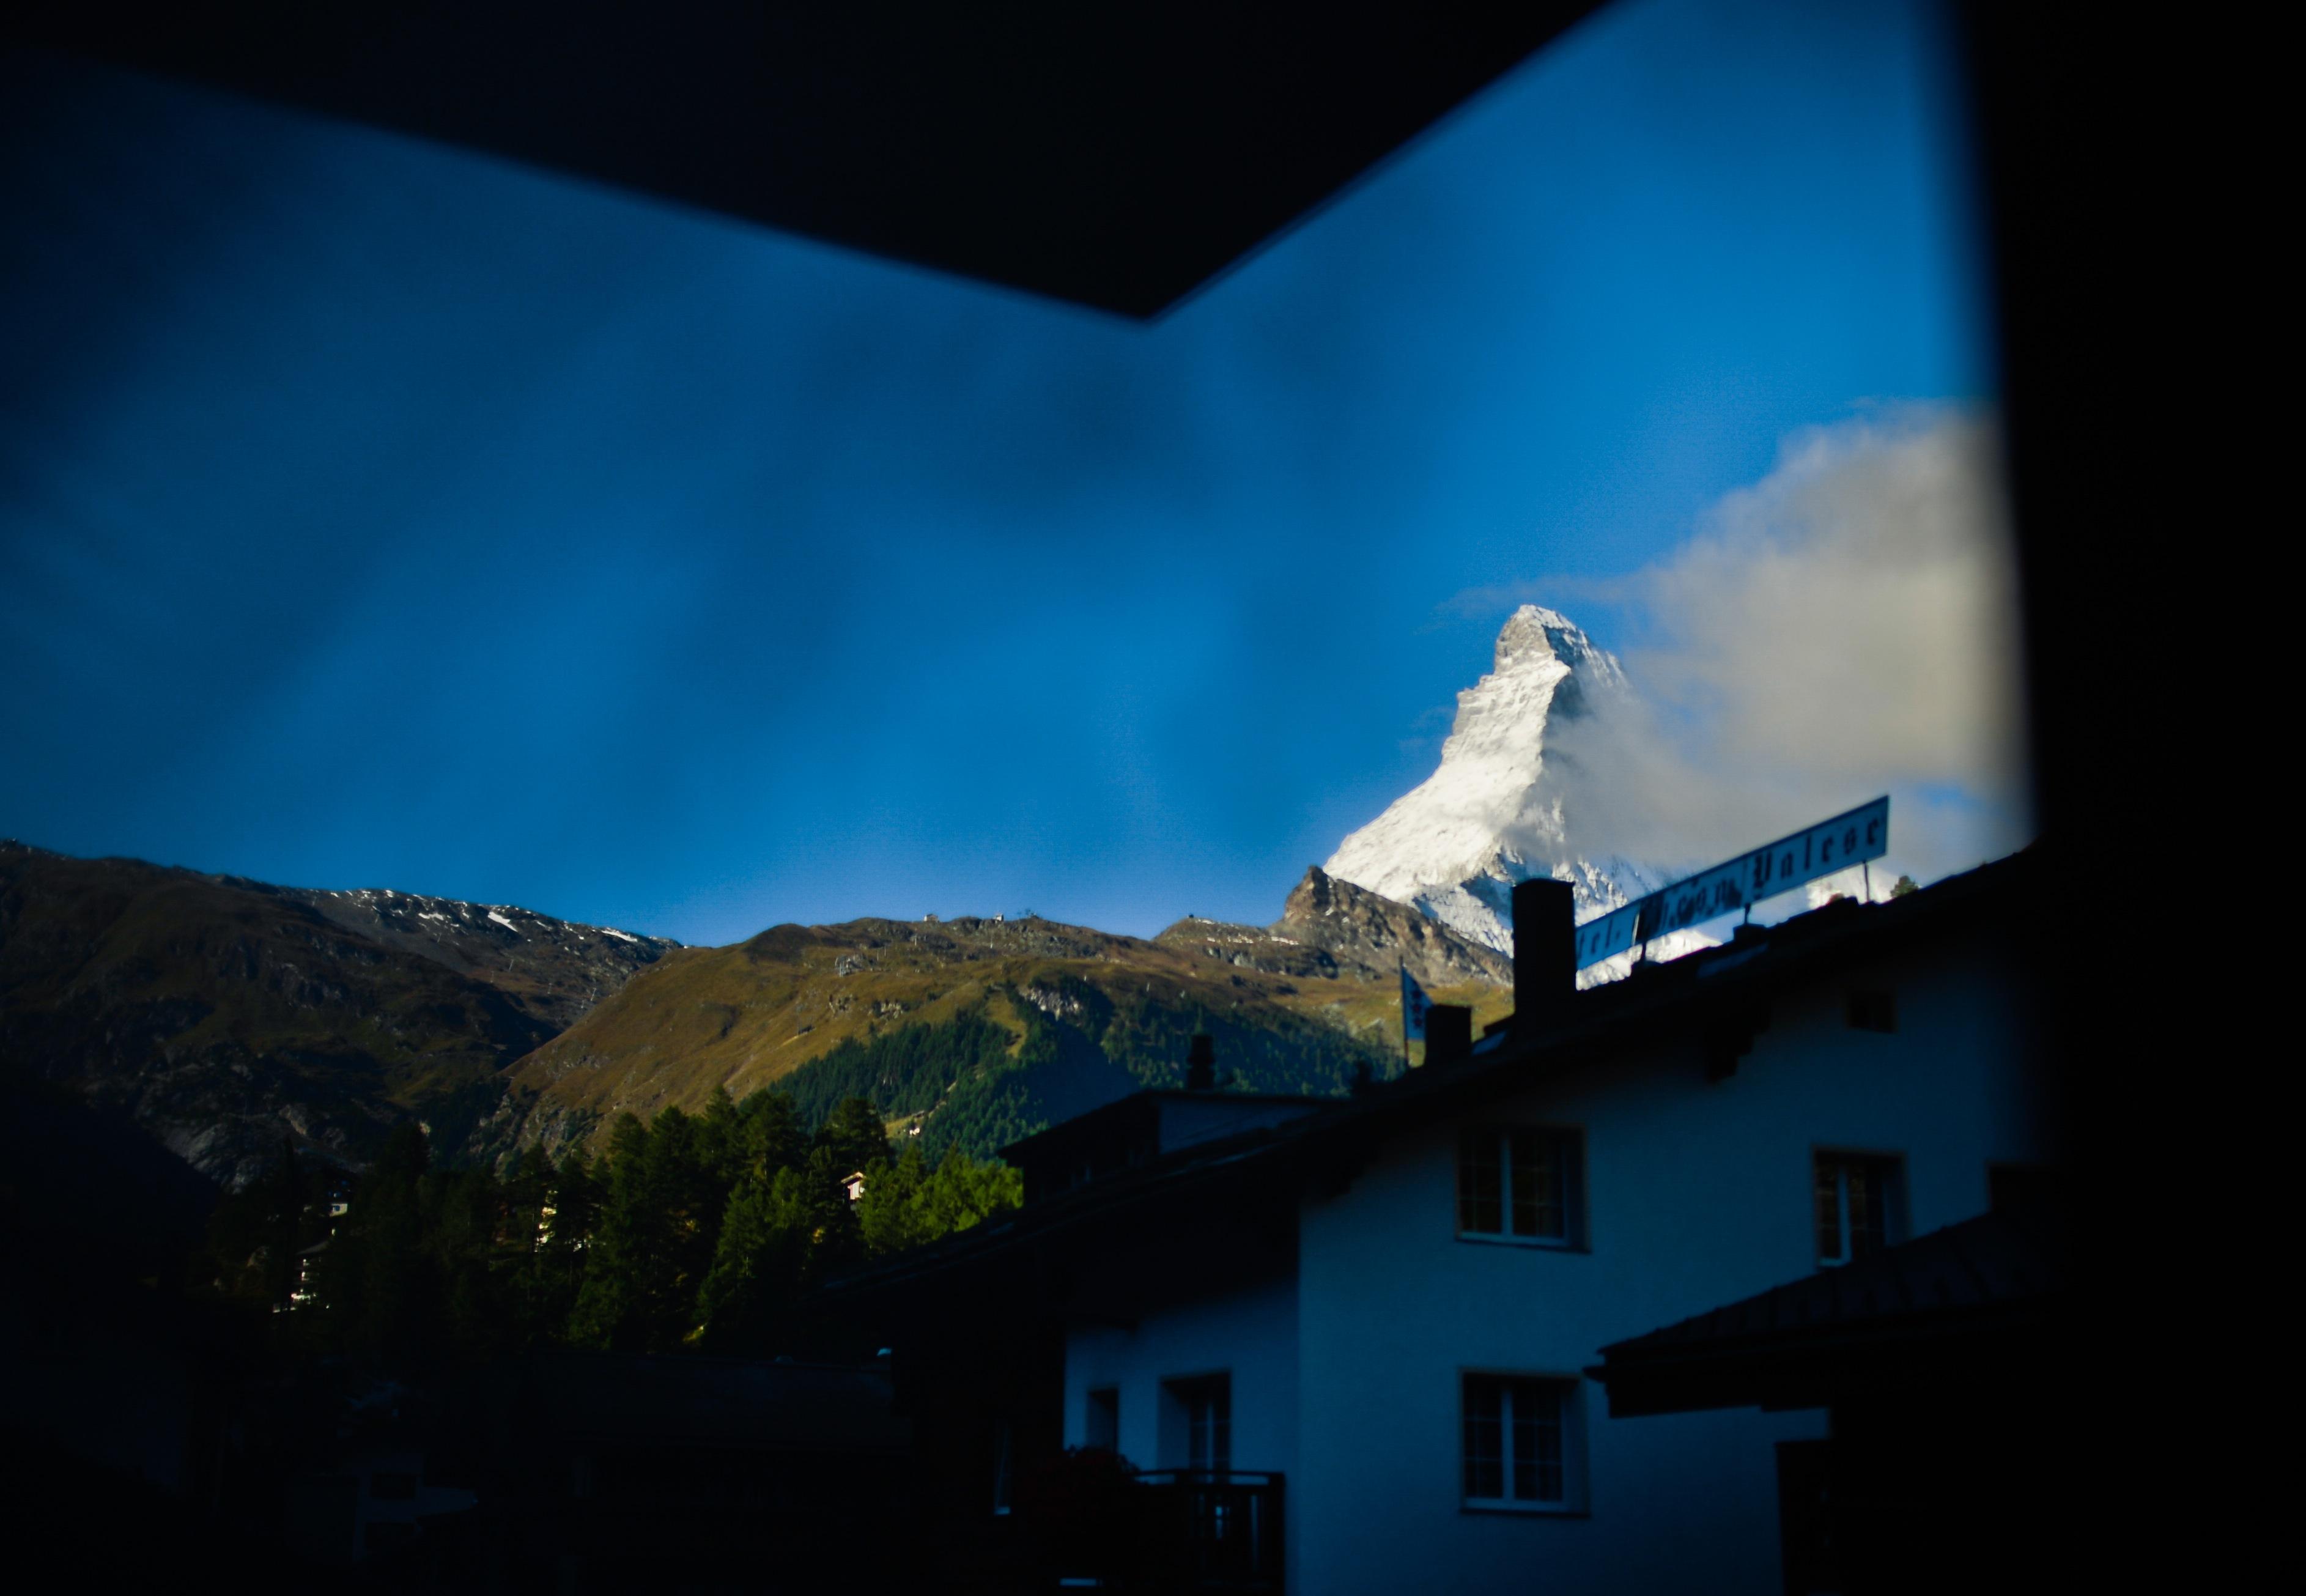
[1522,1183]
[1858,1206]
[1524,1449]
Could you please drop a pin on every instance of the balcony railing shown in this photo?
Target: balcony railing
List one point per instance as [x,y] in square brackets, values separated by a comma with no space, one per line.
[1211,1529]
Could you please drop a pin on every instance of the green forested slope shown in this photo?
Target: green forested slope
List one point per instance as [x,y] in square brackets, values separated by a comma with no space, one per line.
[975,1032]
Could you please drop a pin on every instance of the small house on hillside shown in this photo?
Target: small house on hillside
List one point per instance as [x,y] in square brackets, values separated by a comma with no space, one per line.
[1346,1345]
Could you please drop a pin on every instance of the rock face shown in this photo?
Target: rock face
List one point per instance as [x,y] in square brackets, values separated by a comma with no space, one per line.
[1333,930]
[552,969]
[1353,922]
[1494,813]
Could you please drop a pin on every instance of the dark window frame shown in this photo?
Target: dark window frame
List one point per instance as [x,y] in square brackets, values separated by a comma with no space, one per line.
[1523,1185]
[1858,1194]
[1521,1433]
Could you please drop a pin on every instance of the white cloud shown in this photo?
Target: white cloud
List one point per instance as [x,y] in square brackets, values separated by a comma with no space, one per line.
[1846,626]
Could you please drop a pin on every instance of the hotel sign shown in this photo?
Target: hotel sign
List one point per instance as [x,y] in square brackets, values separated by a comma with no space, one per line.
[1832,845]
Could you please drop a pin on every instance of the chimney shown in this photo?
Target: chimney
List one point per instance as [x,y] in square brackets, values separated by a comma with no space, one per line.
[1545,948]
[1448,1033]
[1201,1064]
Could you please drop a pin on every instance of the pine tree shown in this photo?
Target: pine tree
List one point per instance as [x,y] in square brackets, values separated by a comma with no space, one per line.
[564,1238]
[608,1314]
[756,1267]
[773,1132]
[965,1193]
[835,1239]
[721,1140]
[890,1213]
[466,1216]
[378,1277]
[910,1204]
[687,1200]
[284,1230]
[854,1135]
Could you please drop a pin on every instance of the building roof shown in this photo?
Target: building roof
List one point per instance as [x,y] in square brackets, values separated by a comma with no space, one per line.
[1957,1294]
[1720,993]
[1117,155]
[1121,1110]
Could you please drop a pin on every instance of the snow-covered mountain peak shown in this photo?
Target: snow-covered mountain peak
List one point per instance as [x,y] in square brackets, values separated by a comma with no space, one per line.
[1493,813]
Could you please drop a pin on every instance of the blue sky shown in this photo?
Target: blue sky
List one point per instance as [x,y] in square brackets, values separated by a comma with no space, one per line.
[378,514]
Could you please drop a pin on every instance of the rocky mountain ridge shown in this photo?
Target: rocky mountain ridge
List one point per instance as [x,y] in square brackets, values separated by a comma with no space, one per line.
[1331,929]
[552,968]
[224,1014]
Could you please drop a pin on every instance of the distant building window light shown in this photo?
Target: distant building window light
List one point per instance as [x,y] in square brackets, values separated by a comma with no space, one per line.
[1856,1206]
[1872,1011]
[1521,1448]
[1523,1183]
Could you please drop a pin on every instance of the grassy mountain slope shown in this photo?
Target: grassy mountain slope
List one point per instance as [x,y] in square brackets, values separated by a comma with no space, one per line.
[1012,1025]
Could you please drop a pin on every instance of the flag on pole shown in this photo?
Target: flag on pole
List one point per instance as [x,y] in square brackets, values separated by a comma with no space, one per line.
[1414,1004]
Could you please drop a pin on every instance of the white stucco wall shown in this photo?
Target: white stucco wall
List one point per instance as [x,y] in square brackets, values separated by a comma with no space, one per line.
[1251,1334]
[1698,1193]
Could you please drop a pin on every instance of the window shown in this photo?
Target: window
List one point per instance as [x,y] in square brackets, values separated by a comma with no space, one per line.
[1524,1184]
[1872,1011]
[1101,1426]
[1197,1423]
[1858,1206]
[1523,1448]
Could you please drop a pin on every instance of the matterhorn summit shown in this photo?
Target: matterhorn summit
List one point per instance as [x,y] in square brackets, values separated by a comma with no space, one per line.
[1496,811]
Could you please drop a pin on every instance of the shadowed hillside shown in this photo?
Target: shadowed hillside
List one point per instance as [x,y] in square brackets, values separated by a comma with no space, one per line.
[223,1014]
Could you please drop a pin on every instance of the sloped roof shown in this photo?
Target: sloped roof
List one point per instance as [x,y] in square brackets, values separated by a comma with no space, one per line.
[1948,1294]
[1704,990]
